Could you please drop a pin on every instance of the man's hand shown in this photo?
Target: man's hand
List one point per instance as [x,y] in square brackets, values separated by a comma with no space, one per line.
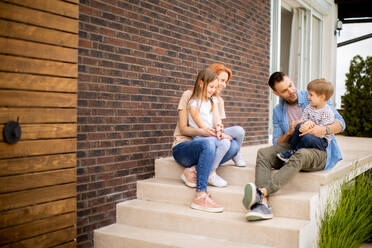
[317,131]
[292,127]
[306,126]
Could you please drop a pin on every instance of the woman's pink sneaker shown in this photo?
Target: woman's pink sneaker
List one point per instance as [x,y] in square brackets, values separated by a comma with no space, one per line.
[204,202]
[189,176]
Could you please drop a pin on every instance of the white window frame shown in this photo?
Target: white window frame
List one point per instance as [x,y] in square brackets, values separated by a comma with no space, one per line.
[305,49]
[274,56]
[314,13]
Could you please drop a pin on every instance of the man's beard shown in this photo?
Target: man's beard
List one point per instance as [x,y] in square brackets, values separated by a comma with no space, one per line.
[292,102]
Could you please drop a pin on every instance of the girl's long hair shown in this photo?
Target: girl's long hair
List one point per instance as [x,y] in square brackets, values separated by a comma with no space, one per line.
[201,84]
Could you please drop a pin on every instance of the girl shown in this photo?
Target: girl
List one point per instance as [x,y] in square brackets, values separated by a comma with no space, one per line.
[203,113]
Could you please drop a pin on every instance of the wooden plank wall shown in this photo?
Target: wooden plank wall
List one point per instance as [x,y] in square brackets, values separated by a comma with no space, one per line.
[38,84]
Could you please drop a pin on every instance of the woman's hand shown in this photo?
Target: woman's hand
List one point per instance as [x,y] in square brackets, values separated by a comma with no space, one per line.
[226,136]
[207,131]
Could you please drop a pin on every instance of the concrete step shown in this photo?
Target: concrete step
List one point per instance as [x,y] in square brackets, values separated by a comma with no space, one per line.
[123,236]
[357,158]
[232,226]
[310,182]
[285,203]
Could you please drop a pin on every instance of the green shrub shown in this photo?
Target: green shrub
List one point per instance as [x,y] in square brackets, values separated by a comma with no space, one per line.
[348,224]
[357,100]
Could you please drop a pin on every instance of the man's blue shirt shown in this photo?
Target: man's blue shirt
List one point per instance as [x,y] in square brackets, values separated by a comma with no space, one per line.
[281,125]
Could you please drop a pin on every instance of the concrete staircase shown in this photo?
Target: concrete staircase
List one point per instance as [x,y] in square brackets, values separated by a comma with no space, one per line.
[161,216]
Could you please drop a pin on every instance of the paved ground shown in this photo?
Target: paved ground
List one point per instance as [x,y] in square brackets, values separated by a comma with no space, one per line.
[352,148]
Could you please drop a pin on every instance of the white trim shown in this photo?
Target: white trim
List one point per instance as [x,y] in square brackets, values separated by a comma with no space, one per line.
[285,5]
[275,35]
[307,58]
[274,55]
[322,6]
[315,14]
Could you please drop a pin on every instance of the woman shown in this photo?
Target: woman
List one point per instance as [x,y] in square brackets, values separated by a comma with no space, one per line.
[236,132]
[197,156]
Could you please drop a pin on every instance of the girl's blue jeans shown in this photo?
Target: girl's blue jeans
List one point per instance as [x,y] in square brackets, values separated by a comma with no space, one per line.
[201,153]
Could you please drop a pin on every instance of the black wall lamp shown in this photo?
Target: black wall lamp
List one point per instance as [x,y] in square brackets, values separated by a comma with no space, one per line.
[12,132]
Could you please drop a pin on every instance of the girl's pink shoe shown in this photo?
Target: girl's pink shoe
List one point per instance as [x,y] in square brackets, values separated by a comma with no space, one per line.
[204,202]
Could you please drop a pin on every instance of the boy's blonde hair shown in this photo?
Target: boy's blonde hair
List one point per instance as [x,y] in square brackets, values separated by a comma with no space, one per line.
[321,87]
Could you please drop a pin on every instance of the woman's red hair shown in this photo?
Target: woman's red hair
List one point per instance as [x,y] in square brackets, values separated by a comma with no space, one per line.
[218,68]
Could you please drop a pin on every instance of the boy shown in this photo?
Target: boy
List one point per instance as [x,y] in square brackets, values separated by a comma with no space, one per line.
[316,113]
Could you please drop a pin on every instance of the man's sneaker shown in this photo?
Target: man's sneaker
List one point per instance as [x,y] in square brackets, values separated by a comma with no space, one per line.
[189,176]
[204,202]
[284,156]
[216,180]
[252,195]
[239,160]
[260,211]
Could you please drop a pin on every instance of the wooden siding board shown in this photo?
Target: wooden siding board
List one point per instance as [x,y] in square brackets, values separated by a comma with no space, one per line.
[39,18]
[35,196]
[37,66]
[37,115]
[48,239]
[71,244]
[38,85]
[37,180]
[37,147]
[16,233]
[13,98]
[37,34]
[72,1]
[47,131]
[32,213]
[56,7]
[35,82]
[9,167]
[37,50]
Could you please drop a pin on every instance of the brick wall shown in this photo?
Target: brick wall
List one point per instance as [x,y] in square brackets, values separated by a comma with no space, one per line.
[135,59]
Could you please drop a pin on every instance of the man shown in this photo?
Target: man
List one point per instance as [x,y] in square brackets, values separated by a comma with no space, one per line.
[286,115]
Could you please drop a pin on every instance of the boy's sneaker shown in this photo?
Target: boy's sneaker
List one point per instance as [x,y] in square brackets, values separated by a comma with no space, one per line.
[284,156]
[216,180]
[204,202]
[189,176]
[260,211]
[239,160]
[252,195]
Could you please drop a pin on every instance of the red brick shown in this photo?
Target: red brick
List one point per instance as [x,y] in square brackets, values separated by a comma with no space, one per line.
[135,60]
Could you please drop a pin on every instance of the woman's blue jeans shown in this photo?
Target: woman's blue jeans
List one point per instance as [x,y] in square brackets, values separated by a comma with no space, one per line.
[201,152]
[236,132]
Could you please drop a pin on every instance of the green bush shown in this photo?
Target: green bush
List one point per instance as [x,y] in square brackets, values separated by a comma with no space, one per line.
[348,224]
[357,101]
